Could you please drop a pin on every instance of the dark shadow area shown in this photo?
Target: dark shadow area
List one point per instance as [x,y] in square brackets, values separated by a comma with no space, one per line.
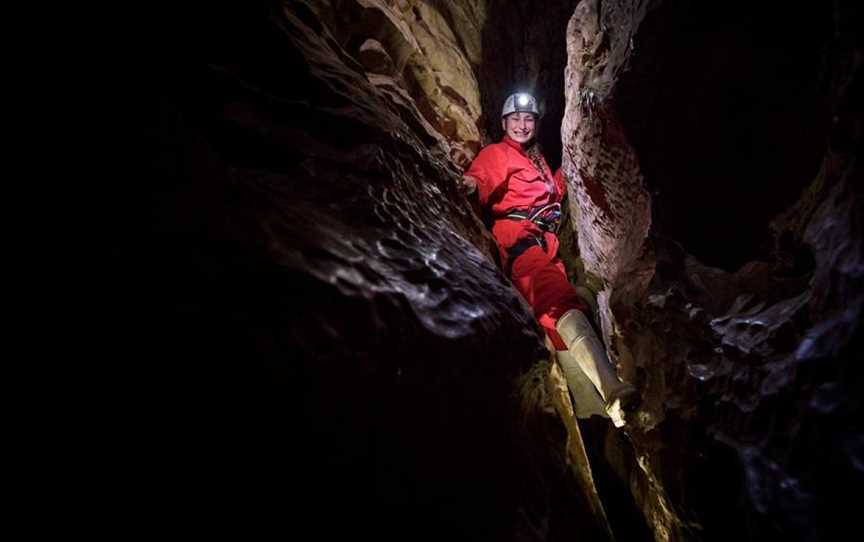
[610,454]
[727,111]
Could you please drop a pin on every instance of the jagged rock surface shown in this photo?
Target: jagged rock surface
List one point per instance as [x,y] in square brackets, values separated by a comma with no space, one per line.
[424,51]
[746,371]
[307,217]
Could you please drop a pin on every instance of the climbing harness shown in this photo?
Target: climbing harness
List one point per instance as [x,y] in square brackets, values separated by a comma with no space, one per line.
[547,217]
[520,246]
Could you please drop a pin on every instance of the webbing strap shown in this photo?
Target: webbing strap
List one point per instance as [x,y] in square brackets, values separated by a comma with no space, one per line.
[519,248]
[547,217]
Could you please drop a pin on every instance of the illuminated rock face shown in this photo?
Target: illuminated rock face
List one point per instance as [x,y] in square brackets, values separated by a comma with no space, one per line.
[306,216]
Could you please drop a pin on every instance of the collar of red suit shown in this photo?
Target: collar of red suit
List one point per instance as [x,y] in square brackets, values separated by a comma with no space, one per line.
[513,143]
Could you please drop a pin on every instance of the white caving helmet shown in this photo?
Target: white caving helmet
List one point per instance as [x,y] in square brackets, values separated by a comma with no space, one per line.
[518,103]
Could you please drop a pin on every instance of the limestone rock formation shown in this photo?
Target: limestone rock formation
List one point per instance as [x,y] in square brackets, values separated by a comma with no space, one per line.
[733,437]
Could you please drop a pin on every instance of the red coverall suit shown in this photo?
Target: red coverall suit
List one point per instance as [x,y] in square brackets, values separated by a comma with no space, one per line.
[508,181]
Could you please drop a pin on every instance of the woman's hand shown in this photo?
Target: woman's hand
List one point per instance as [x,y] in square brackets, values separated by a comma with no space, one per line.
[469,185]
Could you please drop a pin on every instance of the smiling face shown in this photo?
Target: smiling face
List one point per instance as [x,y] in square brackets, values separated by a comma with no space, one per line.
[519,126]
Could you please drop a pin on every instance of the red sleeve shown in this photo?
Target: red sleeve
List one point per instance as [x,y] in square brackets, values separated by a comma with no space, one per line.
[486,168]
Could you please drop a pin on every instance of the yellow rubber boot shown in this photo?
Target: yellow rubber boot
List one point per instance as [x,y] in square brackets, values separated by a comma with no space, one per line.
[586,350]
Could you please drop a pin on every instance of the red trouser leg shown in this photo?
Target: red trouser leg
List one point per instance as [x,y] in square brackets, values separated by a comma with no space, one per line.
[541,279]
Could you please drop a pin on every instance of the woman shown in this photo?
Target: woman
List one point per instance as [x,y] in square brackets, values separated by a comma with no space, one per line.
[517,189]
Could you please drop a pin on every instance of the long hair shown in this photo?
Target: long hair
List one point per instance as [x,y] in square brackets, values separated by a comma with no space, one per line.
[534,151]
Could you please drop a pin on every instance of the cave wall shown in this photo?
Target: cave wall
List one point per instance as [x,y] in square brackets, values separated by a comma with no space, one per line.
[306,218]
[711,136]
[424,56]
